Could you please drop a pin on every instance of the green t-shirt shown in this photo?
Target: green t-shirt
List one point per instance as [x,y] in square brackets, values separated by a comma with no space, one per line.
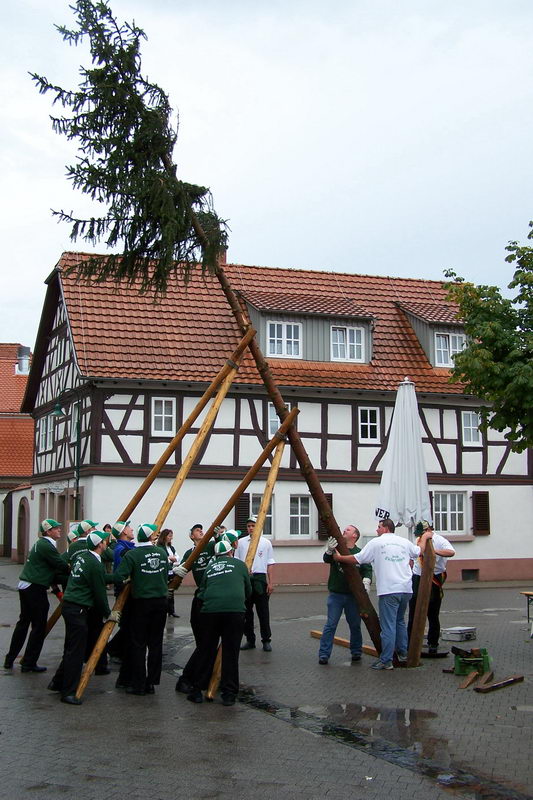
[225,585]
[148,568]
[199,566]
[44,564]
[337,579]
[86,585]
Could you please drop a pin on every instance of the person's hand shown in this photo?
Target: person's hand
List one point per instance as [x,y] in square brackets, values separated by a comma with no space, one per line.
[336,556]
[172,558]
[180,570]
[331,545]
[114,616]
[366,584]
[270,588]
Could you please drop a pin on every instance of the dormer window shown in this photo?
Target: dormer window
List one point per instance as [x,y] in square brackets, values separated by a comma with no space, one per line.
[447,345]
[347,343]
[284,339]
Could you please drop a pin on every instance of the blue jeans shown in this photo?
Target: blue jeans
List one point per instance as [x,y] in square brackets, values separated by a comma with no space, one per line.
[392,609]
[337,603]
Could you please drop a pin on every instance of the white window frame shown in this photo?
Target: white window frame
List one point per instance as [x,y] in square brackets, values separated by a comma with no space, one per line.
[286,341]
[171,415]
[255,503]
[353,347]
[46,434]
[368,423]
[74,417]
[449,513]
[470,428]
[444,355]
[273,421]
[302,518]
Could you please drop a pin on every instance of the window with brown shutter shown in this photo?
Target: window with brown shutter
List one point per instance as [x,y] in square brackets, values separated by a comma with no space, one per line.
[480,514]
[322,530]
[242,512]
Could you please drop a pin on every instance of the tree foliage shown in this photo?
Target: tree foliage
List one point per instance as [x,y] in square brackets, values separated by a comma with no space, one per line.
[496,364]
[123,126]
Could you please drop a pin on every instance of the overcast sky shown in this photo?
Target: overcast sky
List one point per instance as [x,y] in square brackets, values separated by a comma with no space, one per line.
[379,136]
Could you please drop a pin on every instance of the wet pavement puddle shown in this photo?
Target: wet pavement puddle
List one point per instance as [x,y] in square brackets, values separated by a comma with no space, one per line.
[396,735]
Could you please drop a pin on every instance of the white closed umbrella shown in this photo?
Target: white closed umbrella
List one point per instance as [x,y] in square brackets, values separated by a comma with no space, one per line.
[403,492]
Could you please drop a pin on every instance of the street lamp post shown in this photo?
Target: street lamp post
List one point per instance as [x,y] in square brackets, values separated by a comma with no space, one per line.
[59,412]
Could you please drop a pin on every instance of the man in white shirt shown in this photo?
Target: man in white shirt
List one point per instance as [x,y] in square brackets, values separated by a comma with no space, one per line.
[443,551]
[262,587]
[390,555]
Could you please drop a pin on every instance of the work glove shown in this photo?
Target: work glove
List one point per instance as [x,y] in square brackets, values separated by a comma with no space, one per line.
[331,545]
[114,616]
[366,583]
[180,570]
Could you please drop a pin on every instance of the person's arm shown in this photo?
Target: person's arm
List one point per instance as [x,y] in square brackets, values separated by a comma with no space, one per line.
[344,559]
[270,584]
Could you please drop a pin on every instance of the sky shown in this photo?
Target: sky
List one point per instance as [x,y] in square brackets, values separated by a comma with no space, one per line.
[386,137]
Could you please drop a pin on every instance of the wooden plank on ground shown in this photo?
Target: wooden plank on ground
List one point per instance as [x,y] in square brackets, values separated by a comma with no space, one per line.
[491,687]
[367,649]
[470,679]
[486,678]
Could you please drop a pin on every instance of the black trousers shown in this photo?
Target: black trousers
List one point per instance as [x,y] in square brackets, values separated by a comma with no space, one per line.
[68,673]
[190,670]
[148,620]
[95,625]
[260,601]
[435,601]
[225,627]
[34,607]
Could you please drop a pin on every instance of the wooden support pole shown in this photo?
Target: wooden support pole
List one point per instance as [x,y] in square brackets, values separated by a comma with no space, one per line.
[421,609]
[252,549]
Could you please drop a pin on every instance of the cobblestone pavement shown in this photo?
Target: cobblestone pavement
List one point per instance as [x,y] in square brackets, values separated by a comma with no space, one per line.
[301,730]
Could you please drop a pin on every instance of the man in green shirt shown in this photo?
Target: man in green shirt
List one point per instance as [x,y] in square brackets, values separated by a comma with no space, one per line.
[43,567]
[85,593]
[147,566]
[341,599]
[225,587]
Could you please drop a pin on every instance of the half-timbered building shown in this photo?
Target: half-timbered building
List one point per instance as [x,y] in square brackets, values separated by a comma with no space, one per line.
[115,373]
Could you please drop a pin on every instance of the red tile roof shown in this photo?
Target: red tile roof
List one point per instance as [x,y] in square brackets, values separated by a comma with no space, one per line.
[16,446]
[186,335]
[12,386]
[434,313]
[304,304]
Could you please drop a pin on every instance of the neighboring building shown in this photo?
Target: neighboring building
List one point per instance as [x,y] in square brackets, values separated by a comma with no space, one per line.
[16,445]
[126,372]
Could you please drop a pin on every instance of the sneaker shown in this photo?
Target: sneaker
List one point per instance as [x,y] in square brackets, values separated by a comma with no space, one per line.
[8,663]
[323,661]
[356,658]
[382,665]
[267,647]
[402,658]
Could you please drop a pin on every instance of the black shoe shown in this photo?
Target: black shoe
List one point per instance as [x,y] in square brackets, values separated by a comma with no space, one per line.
[355,658]
[228,699]
[131,690]
[35,668]
[433,650]
[71,699]
[183,685]
[248,646]
[323,661]
[120,685]
[53,687]
[176,616]
[102,671]
[8,663]
[267,647]
[149,688]
[195,696]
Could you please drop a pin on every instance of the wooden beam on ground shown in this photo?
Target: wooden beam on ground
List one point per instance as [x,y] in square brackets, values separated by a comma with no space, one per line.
[367,649]
[470,679]
[491,687]
[421,610]
[486,678]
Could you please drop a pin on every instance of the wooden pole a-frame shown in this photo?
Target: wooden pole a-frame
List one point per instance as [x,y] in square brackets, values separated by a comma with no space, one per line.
[421,609]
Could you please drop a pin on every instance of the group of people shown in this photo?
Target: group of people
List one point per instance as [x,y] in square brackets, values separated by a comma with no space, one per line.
[397,565]
[222,607]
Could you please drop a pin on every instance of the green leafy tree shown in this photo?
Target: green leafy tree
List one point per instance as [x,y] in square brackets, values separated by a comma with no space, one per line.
[496,364]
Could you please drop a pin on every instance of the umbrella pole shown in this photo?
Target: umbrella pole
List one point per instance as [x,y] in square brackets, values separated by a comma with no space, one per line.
[421,608]
[252,549]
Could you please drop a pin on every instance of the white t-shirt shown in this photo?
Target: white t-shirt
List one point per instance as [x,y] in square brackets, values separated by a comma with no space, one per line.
[389,555]
[264,555]
[439,543]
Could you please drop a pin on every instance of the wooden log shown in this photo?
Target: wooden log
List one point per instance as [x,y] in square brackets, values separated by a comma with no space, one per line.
[54,616]
[486,678]
[230,365]
[470,679]
[366,648]
[421,609]
[491,687]
[248,478]
[458,651]
[214,682]
[449,670]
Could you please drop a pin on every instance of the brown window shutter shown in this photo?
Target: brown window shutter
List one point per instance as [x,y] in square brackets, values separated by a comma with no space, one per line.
[480,513]
[242,512]
[322,530]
